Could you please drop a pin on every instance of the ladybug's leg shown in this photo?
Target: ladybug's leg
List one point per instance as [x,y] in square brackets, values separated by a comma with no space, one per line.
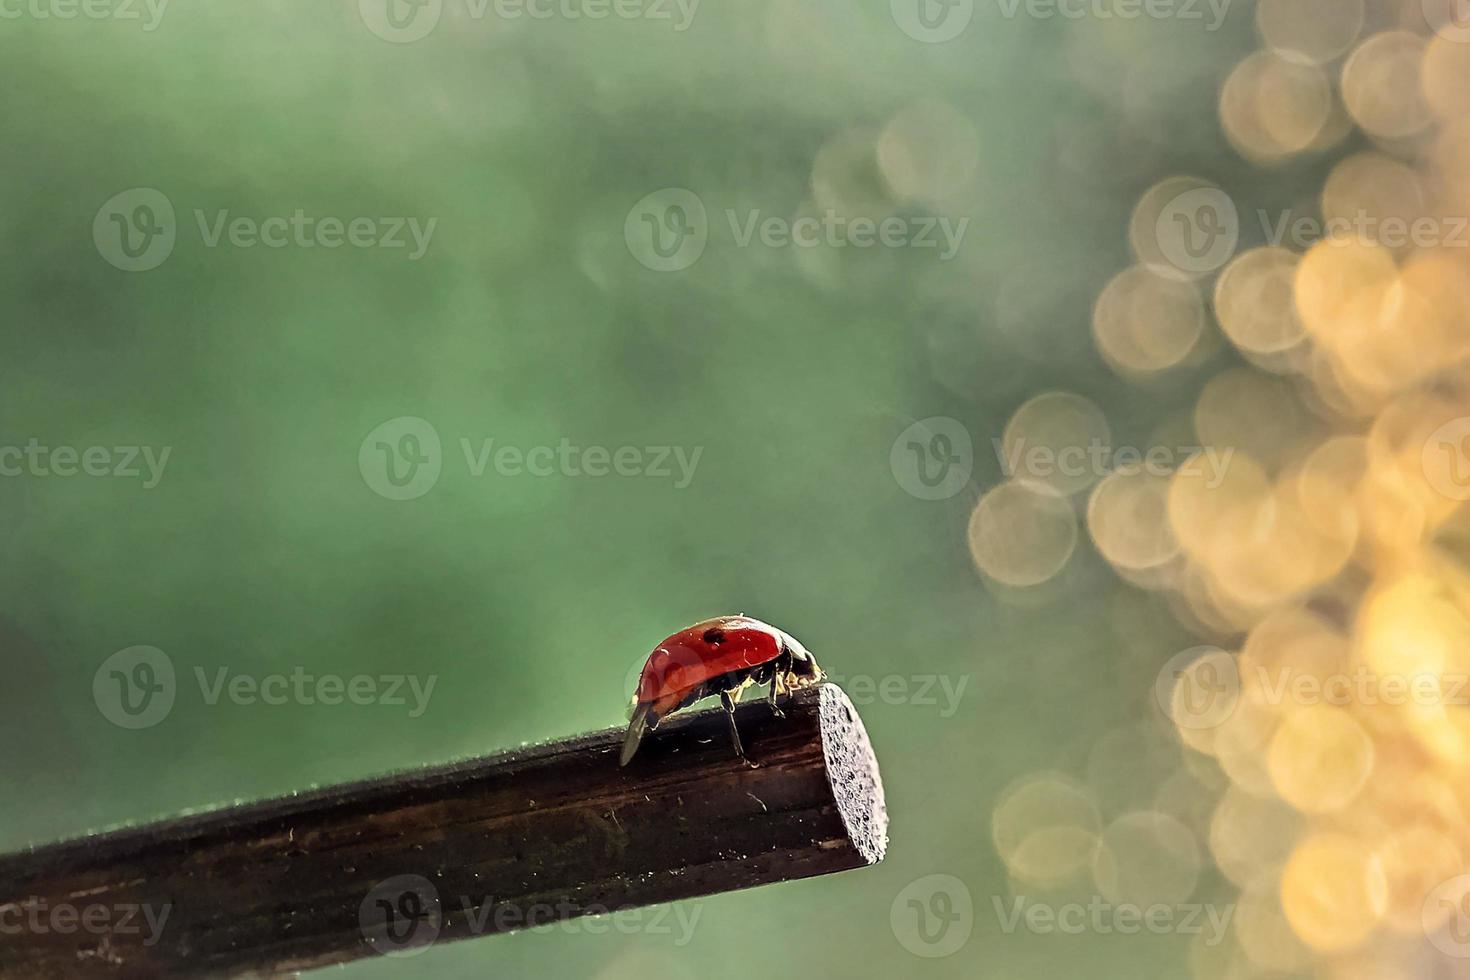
[779,668]
[776,688]
[729,703]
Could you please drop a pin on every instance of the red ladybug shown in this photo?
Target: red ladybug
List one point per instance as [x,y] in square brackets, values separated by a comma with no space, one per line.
[718,656]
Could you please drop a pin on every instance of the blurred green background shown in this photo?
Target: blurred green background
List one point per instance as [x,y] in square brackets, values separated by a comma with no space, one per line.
[529,320]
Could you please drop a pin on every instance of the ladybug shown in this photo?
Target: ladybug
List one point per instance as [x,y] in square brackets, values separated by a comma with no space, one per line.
[718,656]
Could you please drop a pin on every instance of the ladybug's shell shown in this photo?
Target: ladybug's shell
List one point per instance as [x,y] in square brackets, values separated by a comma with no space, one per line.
[705,651]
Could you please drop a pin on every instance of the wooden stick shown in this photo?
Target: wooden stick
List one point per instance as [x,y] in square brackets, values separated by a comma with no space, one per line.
[490,845]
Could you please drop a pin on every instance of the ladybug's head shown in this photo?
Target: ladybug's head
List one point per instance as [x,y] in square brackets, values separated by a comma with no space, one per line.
[804,670]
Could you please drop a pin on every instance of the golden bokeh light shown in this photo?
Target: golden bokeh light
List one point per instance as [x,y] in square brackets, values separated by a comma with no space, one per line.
[1045,828]
[1381,86]
[1149,225]
[1262,931]
[1212,507]
[1127,517]
[1320,757]
[929,153]
[1380,199]
[1245,411]
[1252,835]
[1274,106]
[1022,535]
[1057,441]
[1445,77]
[1145,322]
[1415,859]
[1333,891]
[1319,527]
[1255,303]
[1244,738]
[1146,858]
[1312,30]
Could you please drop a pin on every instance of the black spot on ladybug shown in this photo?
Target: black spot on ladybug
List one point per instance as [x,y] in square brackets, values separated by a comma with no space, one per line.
[714,636]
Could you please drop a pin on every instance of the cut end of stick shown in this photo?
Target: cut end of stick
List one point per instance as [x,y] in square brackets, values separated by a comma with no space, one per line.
[852,769]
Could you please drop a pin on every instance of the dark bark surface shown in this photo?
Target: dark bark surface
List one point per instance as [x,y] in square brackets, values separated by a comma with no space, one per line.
[488,845]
